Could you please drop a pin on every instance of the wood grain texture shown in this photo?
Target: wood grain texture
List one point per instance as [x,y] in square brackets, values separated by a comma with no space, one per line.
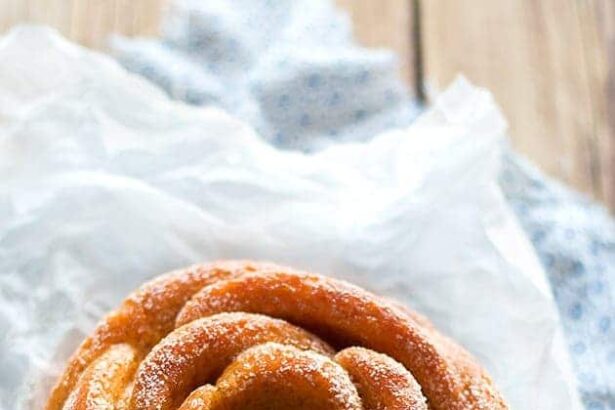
[385,24]
[545,64]
[605,12]
[88,22]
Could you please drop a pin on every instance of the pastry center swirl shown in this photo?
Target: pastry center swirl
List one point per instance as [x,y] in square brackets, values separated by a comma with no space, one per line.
[241,335]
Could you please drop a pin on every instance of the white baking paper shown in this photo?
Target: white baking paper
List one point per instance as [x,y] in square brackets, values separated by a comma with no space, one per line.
[105,182]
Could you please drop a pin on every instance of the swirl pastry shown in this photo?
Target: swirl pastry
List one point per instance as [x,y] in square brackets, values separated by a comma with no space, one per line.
[243,335]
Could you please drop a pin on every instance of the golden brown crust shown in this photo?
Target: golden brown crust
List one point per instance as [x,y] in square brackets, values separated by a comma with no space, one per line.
[178,328]
[383,383]
[143,319]
[104,383]
[200,398]
[449,379]
[199,351]
[275,376]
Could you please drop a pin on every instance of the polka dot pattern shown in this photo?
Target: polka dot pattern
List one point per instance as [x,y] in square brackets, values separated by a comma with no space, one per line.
[575,240]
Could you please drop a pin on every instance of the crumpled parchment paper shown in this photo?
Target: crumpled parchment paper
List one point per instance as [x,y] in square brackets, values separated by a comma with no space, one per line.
[105,182]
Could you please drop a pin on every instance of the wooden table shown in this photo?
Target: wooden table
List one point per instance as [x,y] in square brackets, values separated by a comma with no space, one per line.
[549,63]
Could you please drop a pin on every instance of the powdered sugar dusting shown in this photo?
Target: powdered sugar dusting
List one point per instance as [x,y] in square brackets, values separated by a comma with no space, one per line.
[217,345]
[310,373]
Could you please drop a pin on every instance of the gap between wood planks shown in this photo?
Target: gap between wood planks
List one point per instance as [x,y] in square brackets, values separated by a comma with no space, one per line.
[549,64]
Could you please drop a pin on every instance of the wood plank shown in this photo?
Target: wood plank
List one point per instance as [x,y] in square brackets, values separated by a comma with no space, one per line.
[377,24]
[604,11]
[385,24]
[543,64]
[85,21]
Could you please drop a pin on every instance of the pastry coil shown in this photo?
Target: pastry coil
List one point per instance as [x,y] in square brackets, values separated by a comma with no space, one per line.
[245,335]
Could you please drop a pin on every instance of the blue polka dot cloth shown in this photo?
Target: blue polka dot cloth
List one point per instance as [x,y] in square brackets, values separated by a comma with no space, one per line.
[293,71]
